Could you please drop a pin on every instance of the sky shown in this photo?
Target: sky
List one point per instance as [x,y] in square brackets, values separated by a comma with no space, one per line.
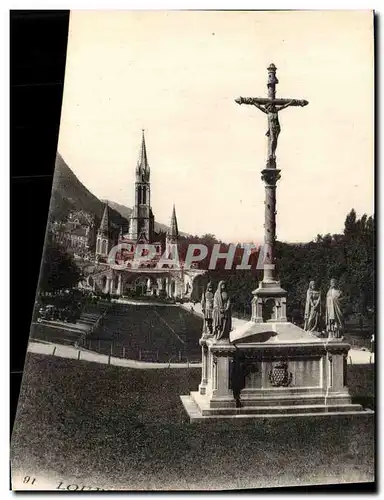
[176,75]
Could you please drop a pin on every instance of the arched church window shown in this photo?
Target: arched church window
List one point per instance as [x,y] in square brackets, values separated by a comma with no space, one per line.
[139,189]
[144,195]
[104,247]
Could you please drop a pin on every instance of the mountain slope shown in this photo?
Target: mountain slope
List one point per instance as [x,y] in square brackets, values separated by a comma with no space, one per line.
[68,193]
[124,211]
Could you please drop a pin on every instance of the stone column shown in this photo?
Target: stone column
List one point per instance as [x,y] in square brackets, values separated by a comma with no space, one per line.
[257,310]
[107,285]
[204,367]
[221,387]
[270,176]
[119,286]
[337,372]
[178,288]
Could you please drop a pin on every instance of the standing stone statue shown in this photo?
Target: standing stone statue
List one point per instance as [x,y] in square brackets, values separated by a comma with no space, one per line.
[207,308]
[333,313]
[312,315]
[222,320]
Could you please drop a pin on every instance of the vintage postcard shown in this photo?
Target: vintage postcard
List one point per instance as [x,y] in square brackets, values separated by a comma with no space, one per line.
[204,318]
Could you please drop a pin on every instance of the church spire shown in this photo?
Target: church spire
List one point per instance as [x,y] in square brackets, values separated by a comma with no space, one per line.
[142,169]
[103,243]
[141,224]
[173,231]
[104,226]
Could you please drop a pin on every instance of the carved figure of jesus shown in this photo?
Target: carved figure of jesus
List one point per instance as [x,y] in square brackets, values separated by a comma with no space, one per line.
[274,129]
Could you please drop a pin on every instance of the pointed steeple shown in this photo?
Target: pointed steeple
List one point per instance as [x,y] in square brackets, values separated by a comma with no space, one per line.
[104,226]
[142,169]
[173,231]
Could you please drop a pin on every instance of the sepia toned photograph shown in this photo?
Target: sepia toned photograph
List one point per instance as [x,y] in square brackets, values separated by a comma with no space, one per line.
[205,312]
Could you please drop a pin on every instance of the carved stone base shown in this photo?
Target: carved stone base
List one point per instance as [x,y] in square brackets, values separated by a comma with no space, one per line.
[286,373]
[269,303]
[198,413]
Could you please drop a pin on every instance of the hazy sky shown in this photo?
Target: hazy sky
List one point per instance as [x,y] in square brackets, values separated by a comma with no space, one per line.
[176,74]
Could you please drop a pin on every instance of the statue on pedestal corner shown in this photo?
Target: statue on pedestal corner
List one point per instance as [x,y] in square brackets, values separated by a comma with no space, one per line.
[312,315]
[222,319]
[207,308]
[333,313]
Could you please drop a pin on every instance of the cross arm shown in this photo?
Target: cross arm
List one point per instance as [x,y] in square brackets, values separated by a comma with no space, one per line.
[262,101]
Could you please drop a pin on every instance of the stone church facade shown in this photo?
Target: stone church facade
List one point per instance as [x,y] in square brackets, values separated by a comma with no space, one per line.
[119,275]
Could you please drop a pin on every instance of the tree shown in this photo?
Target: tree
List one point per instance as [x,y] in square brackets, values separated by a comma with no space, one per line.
[59,270]
[350,224]
[347,257]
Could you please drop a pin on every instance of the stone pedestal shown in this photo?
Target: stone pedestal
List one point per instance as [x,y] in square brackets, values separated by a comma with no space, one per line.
[269,302]
[270,370]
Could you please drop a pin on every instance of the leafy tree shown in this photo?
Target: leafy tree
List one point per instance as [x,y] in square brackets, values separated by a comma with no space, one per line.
[347,257]
[59,270]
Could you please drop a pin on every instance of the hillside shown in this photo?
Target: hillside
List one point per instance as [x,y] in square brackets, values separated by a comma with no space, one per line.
[68,193]
[122,209]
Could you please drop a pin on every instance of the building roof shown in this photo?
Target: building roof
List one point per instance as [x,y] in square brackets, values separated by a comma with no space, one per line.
[79,231]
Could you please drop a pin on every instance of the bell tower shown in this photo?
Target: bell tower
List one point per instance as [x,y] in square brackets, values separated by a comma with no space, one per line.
[172,236]
[102,239]
[141,225]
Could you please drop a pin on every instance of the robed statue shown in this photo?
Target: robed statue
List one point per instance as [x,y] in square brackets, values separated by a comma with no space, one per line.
[222,319]
[312,315]
[333,313]
[207,308]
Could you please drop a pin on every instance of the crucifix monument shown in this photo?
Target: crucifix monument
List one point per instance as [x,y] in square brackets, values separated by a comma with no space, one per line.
[268,366]
[270,299]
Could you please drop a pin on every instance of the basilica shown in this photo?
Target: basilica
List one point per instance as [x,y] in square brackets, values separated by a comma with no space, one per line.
[119,275]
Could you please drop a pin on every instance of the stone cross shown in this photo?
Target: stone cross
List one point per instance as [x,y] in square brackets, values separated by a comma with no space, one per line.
[271,106]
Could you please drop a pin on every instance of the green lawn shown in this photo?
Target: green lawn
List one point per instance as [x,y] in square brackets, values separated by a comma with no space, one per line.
[117,428]
[141,332]
[164,332]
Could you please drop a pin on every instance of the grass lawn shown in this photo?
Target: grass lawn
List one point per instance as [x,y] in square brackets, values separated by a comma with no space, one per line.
[118,428]
[164,331]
